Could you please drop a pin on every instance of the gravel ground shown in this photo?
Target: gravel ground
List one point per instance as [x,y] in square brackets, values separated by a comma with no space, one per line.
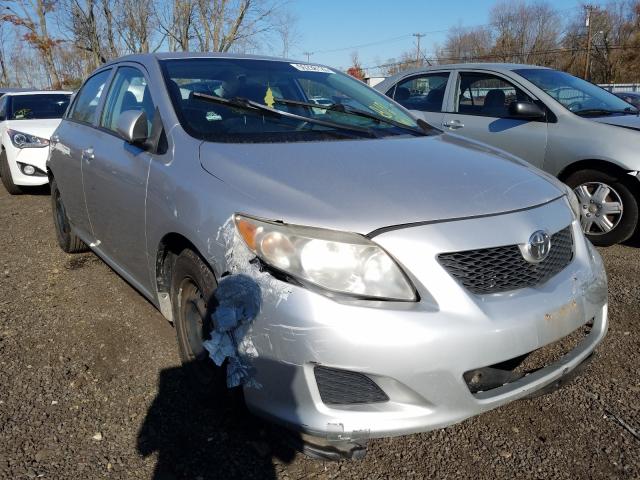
[91,387]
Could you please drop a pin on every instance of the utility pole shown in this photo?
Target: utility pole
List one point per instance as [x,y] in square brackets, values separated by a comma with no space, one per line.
[589,9]
[418,36]
[308,54]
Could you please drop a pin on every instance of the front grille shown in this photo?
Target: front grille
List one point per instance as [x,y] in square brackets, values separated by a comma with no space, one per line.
[499,269]
[342,387]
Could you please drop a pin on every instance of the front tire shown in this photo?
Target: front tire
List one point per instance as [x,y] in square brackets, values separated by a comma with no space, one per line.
[5,173]
[192,287]
[69,242]
[609,208]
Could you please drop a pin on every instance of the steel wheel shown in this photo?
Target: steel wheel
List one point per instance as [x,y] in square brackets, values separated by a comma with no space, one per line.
[194,311]
[601,205]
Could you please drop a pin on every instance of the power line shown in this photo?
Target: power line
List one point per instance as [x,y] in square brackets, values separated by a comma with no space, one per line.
[422,34]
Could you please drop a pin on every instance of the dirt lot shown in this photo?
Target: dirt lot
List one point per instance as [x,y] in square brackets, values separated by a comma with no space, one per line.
[91,387]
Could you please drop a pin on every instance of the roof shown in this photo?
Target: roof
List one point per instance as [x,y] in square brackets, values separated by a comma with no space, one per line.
[496,67]
[490,66]
[36,92]
[145,58]
[13,89]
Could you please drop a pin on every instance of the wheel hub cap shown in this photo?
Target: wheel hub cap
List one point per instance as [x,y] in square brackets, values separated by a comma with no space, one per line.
[601,207]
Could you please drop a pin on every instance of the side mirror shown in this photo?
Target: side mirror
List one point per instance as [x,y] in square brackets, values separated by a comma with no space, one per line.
[526,111]
[132,125]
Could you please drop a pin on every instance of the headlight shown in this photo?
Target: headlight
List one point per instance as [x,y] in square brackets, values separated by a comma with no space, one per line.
[574,202]
[25,140]
[338,262]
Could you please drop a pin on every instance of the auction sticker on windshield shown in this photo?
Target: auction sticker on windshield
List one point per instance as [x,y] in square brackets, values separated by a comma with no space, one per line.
[303,67]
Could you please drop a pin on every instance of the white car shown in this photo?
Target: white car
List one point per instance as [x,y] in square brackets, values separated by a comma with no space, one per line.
[27,120]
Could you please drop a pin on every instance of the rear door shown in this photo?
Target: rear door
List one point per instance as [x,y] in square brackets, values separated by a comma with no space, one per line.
[115,176]
[423,94]
[479,109]
[71,142]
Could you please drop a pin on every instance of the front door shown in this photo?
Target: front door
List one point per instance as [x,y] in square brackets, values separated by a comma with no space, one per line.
[479,109]
[115,178]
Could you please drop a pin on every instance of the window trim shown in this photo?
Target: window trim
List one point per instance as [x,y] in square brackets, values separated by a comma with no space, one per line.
[98,126]
[72,106]
[4,102]
[550,118]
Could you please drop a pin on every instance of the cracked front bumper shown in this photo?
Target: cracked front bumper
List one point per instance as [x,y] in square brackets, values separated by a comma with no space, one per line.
[417,353]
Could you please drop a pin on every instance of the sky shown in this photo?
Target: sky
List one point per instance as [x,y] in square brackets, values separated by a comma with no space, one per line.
[333,29]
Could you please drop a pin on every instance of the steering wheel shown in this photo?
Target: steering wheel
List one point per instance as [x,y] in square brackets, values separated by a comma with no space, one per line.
[302,126]
[574,106]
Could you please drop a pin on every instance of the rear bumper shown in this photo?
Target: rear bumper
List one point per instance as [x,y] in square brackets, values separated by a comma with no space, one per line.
[418,353]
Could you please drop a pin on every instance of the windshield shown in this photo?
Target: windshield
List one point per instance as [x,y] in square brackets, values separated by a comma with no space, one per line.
[575,94]
[41,106]
[270,83]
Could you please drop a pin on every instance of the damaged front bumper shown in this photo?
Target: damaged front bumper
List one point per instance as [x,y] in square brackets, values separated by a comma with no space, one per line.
[401,366]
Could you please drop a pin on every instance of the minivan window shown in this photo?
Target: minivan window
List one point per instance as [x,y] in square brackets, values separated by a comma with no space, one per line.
[128,91]
[422,92]
[41,106]
[575,94]
[86,103]
[266,82]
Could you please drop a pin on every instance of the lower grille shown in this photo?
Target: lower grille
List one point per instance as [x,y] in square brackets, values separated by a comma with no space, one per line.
[342,387]
[500,269]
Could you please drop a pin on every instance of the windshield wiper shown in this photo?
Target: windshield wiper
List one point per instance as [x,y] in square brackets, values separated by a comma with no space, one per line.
[247,104]
[602,111]
[339,107]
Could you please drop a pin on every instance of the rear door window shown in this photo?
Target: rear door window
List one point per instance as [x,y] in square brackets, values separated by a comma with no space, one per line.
[85,106]
[423,92]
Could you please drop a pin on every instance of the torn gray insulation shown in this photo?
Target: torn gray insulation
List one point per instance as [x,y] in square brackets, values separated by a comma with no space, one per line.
[239,301]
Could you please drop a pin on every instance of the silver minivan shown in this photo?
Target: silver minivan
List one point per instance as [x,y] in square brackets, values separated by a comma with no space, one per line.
[575,130]
[318,256]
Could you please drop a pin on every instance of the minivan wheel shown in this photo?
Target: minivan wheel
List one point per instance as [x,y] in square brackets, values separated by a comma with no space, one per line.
[192,288]
[68,241]
[5,173]
[609,209]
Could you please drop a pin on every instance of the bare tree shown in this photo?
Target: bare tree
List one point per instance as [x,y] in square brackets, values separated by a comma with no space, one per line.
[31,16]
[524,32]
[287,31]
[136,23]
[466,45]
[4,68]
[224,23]
[177,22]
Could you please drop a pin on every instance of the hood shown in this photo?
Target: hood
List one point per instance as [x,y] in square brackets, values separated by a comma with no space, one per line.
[43,128]
[363,185]
[627,121]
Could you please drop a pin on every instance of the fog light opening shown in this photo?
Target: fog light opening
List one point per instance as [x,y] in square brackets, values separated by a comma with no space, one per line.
[29,170]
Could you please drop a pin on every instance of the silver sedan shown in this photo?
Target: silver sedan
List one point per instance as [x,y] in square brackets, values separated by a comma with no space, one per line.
[577,131]
[319,256]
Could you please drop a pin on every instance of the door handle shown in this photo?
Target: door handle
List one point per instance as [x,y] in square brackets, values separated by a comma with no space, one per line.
[88,155]
[453,124]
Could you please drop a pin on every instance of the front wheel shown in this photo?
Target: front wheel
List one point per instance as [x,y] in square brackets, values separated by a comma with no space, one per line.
[5,173]
[608,206]
[192,287]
